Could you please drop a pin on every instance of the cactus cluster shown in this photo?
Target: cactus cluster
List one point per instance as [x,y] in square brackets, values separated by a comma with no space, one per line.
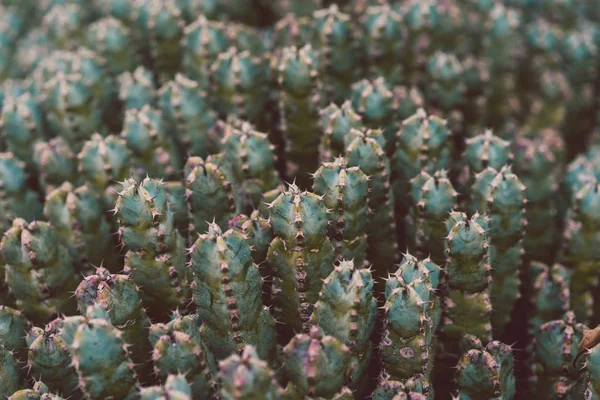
[299,199]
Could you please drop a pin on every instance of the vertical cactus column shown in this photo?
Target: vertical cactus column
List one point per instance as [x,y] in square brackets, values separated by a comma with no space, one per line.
[336,123]
[467,304]
[227,292]
[39,269]
[119,296]
[243,376]
[300,98]
[55,163]
[347,310]
[554,350]
[301,257]
[345,192]
[366,152]
[156,257]
[412,314]
[203,41]
[209,195]
[550,295]
[503,199]
[137,88]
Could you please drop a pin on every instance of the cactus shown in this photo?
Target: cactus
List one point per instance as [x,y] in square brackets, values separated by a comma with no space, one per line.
[345,192]
[434,197]
[252,160]
[555,349]
[78,216]
[186,110]
[467,303]
[21,123]
[156,256]
[336,124]
[300,256]
[50,361]
[178,348]
[120,298]
[13,326]
[102,361]
[486,372]
[16,197]
[209,194]
[246,376]
[55,163]
[316,364]
[39,392]
[145,134]
[417,388]
[111,39]
[39,269]
[347,310]
[423,143]
[299,81]
[203,41]
[550,295]
[137,88]
[366,152]
[503,196]
[411,316]
[375,102]
[228,292]
[10,373]
[539,164]
[579,248]
[176,387]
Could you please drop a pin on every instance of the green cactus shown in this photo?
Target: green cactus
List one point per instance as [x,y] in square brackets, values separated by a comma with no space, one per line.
[21,125]
[467,303]
[347,310]
[39,392]
[412,315]
[300,256]
[137,88]
[336,123]
[156,256]
[209,194]
[423,143]
[102,361]
[204,39]
[78,216]
[500,195]
[316,364]
[246,376]
[120,298]
[13,326]
[50,360]
[187,111]
[175,387]
[345,190]
[111,39]
[539,163]
[17,198]
[39,269]
[554,350]
[178,348]
[434,198]
[486,372]
[55,163]
[176,197]
[11,379]
[297,73]
[366,152]
[414,389]
[252,160]
[550,295]
[154,151]
[228,292]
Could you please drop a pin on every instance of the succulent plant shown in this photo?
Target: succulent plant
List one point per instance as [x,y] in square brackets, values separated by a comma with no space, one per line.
[227,292]
[55,162]
[179,349]
[246,376]
[10,373]
[13,325]
[336,123]
[137,88]
[39,269]
[550,295]
[39,392]
[300,256]
[156,256]
[175,387]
